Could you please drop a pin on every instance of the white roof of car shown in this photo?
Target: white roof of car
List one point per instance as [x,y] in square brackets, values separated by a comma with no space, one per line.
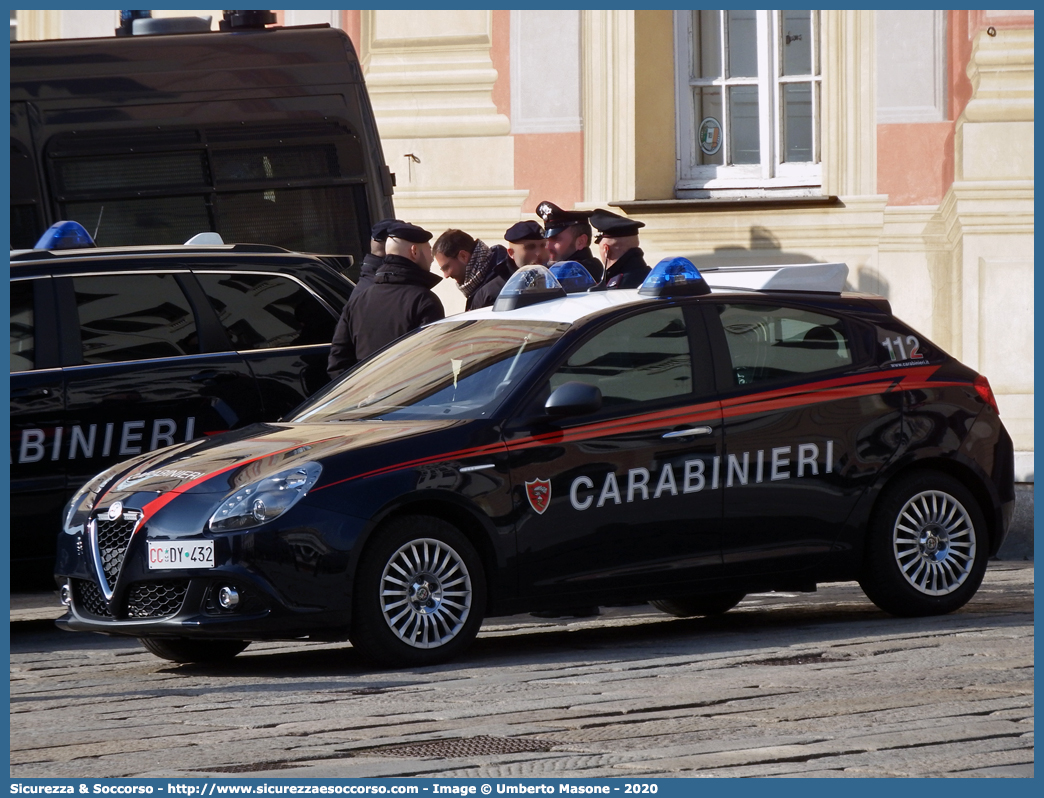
[817,277]
[566,310]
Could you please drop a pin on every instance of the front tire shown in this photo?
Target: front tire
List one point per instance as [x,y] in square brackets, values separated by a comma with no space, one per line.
[692,606]
[420,593]
[180,649]
[927,547]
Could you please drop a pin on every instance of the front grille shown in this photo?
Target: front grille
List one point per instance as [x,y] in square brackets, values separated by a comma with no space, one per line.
[155,599]
[89,598]
[113,537]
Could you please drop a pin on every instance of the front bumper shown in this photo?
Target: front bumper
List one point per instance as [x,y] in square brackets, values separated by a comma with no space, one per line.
[293,578]
[188,607]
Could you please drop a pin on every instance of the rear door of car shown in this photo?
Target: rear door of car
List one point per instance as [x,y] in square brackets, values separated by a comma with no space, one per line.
[279,325]
[146,366]
[809,422]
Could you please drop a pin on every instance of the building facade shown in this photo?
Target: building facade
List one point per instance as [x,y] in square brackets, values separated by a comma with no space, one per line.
[899,142]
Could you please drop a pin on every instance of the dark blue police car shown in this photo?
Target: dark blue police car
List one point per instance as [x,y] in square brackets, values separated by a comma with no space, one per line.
[685,443]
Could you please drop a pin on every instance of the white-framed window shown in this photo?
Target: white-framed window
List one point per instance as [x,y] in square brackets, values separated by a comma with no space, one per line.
[749,93]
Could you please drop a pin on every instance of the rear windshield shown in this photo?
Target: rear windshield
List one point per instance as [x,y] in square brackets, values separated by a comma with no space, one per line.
[450,370]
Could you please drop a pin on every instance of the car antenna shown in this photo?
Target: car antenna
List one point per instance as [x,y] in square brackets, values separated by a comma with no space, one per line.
[97,227]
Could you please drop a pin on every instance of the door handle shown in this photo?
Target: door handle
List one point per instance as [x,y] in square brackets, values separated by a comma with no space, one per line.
[31,393]
[688,433]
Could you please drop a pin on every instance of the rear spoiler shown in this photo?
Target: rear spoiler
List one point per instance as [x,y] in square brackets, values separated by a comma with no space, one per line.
[818,277]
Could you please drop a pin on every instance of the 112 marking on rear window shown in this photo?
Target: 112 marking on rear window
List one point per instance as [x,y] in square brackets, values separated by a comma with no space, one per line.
[897,348]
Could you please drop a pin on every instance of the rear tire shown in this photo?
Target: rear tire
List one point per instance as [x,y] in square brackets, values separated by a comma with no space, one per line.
[926,548]
[692,606]
[180,649]
[420,593]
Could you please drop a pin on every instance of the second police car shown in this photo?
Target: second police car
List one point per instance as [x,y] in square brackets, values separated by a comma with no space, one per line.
[678,443]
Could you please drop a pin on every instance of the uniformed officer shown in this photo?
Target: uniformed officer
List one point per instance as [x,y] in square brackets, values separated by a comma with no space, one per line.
[479,270]
[568,235]
[400,299]
[527,246]
[617,240]
[342,350]
[372,262]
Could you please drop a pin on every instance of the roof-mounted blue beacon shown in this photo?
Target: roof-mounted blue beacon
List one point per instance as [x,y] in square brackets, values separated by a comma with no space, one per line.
[674,277]
[572,275]
[528,286]
[65,235]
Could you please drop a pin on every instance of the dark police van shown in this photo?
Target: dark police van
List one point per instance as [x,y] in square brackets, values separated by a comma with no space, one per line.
[263,135]
[677,443]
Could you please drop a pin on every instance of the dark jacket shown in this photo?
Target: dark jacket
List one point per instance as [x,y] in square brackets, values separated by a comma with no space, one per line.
[371,263]
[588,261]
[628,272]
[342,350]
[486,294]
[400,300]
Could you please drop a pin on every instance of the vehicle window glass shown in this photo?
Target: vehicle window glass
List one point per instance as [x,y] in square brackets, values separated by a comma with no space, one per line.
[133,317]
[771,342]
[442,371]
[639,359]
[265,311]
[897,345]
[22,341]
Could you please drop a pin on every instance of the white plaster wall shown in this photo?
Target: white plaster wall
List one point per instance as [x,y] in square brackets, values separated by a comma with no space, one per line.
[911,65]
[545,71]
[333,18]
[78,24]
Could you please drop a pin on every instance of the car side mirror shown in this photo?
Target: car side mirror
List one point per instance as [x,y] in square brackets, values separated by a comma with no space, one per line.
[573,399]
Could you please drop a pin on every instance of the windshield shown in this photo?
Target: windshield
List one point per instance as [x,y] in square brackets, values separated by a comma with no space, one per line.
[449,370]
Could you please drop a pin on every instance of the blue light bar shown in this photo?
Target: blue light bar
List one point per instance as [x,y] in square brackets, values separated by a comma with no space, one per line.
[674,277]
[573,277]
[65,235]
[528,286]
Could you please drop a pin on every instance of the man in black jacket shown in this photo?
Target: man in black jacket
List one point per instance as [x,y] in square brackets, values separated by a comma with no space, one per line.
[400,299]
[625,265]
[342,350]
[479,270]
[568,235]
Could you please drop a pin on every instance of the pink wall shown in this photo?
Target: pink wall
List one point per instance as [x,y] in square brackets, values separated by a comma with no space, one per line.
[551,166]
[352,22]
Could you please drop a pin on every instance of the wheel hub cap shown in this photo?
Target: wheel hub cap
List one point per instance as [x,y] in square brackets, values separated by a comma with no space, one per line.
[934,543]
[423,595]
[426,593]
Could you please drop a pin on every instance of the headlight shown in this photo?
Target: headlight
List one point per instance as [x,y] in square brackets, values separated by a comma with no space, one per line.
[268,498]
[77,511]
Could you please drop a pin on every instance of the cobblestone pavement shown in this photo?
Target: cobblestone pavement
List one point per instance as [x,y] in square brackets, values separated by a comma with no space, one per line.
[784,685]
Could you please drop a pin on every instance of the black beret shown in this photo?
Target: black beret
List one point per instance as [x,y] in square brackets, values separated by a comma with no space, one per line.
[556,220]
[524,231]
[408,232]
[613,225]
[380,230]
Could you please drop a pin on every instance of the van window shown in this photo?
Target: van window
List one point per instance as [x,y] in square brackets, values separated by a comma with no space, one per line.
[133,317]
[265,311]
[166,186]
